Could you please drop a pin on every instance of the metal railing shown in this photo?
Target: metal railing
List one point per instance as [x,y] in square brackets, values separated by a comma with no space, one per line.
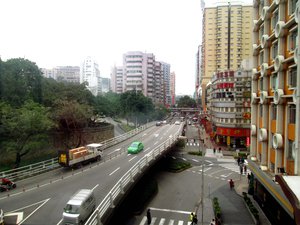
[45,166]
[127,179]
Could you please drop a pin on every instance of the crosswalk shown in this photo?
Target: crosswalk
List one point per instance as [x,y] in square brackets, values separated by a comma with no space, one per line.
[163,221]
[192,144]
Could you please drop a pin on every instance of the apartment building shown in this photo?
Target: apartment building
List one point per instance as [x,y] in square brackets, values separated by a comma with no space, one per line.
[226,40]
[159,83]
[229,102]
[275,112]
[166,83]
[69,74]
[172,87]
[117,76]
[90,74]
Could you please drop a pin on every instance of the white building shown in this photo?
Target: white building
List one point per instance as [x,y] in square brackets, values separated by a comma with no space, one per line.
[90,73]
[117,74]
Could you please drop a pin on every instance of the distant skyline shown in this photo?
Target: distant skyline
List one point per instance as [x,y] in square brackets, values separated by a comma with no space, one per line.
[64,32]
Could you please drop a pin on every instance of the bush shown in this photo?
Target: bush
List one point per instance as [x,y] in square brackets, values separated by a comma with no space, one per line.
[216,207]
[250,205]
[195,153]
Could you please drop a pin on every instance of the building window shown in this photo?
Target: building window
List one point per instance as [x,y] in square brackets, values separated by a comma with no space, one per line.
[292,114]
[292,40]
[290,150]
[261,83]
[261,110]
[261,30]
[261,57]
[292,77]
[274,112]
[274,50]
[274,19]
[292,6]
[274,81]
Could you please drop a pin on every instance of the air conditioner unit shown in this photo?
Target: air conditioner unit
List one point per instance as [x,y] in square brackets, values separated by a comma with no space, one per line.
[278,96]
[295,96]
[263,97]
[253,130]
[255,25]
[254,98]
[265,13]
[254,74]
[296,13]
[263,69]
[277,141]
[264,41]
[263,134]
[296,53]
[278,63]
[279,29]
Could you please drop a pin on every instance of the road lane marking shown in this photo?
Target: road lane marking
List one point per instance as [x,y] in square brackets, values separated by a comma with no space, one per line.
[132,158]
[95,187]
[118,149]
[170,210]
[155,142]
[114,171]
[171,222]
[43,201]
[227,175]
[59,222]
[195,160]
[34,211]
[146,149]
[162,221]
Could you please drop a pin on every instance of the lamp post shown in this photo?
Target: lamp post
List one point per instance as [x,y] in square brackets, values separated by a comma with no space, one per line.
[201,145]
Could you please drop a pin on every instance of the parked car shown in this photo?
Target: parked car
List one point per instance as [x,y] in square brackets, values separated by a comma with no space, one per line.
[135,147]
[177,122]
[6,184]
[158,123]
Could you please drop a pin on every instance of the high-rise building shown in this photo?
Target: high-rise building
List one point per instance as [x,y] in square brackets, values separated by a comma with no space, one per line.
[106,86]
[226,40]
[275,110]
[117,76]
[159,83]
[166,81]
[67,74]
[172,88]
[49,73]
[229,103]
[90,74]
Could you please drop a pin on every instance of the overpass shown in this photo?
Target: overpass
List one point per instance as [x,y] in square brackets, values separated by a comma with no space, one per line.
[41,199]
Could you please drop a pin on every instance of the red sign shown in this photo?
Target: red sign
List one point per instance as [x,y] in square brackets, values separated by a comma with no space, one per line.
[233,132]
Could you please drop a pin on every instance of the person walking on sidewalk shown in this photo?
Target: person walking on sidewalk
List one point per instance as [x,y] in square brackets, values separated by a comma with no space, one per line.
[231,184]
[213,222]
[191,217]
[195,220]
[149,217]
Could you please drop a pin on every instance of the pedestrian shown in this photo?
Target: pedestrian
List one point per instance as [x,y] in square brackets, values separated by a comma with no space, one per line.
[195,220]
[239,160]
[191,217]
[231,184]
[213,222]
[249,177]
[241,168]
[149,217]
[214,150]
[242,160]
[245,169]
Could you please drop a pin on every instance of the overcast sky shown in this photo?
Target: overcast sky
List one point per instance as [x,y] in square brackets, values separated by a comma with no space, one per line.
[63,32]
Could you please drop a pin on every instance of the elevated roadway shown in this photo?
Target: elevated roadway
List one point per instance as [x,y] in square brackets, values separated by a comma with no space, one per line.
[41,199]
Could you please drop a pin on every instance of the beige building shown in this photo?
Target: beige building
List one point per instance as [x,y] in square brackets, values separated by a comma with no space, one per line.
[223,26]
[275,110]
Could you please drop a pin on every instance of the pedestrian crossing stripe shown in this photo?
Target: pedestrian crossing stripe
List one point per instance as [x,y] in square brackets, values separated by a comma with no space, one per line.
[163,221]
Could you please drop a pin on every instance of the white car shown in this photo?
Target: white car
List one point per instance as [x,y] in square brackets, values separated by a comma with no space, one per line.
[177,122]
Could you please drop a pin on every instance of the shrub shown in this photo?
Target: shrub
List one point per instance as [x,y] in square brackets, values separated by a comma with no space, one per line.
[250,205]
[216,207]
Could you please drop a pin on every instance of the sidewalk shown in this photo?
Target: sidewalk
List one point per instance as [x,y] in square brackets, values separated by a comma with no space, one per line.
[241,185]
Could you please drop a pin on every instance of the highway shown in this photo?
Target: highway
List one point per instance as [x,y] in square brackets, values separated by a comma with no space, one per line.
[41,199]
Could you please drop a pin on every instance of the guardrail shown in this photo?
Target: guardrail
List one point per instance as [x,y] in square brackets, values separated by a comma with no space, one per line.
[128,178]
[44,166]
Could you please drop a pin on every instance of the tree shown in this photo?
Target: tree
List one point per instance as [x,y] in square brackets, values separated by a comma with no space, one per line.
[186,102]
[20,80]
[71,118]
[24,128]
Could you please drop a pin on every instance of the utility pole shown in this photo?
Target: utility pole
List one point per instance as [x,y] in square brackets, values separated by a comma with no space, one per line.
[201,145]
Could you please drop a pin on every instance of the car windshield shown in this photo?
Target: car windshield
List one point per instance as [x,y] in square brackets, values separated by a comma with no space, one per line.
[134,145]
[72,209]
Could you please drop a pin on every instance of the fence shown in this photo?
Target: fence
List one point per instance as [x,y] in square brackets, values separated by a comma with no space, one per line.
[44,166]
[127,179]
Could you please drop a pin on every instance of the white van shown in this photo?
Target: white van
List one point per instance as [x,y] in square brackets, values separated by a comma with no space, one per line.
[79,207]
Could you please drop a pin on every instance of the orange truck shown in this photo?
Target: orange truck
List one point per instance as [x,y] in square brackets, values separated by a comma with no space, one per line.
[82,155]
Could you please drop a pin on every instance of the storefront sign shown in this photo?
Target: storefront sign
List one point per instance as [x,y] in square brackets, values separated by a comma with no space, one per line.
[233,132]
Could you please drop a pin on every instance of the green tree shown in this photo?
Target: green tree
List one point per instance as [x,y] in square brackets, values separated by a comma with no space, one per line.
[71,118]
[20,80]
[186,102]
[24,128]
